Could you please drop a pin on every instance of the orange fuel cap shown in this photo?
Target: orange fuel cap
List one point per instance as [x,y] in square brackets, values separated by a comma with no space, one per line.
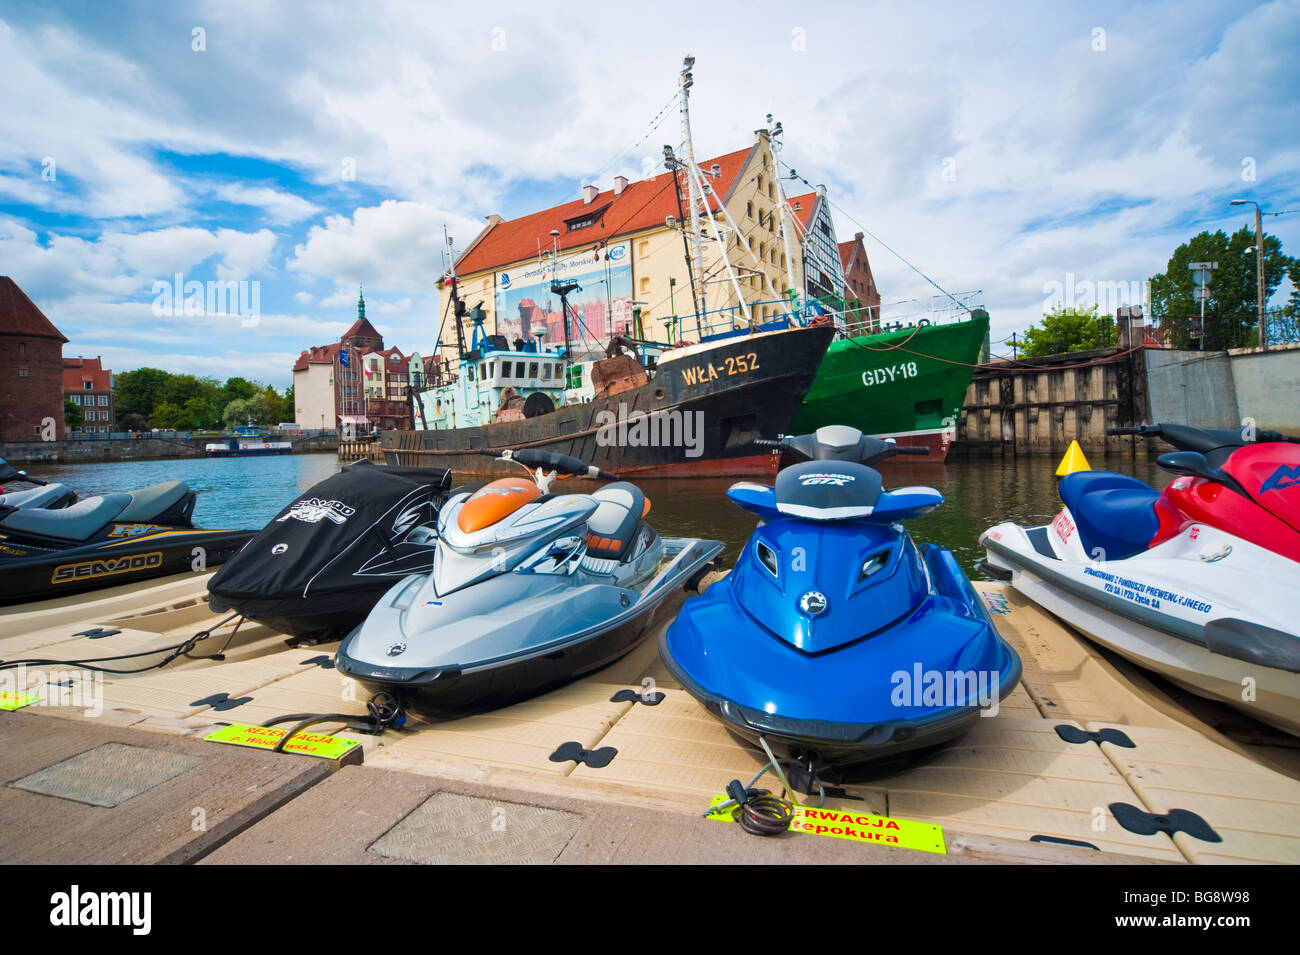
[494,501]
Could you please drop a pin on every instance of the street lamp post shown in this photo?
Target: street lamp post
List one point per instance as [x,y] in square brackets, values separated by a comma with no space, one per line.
[1259,265]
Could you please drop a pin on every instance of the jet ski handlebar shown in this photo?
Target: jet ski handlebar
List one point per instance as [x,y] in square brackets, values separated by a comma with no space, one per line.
[550,460]
[847,446]
[1187,438]
[9,473]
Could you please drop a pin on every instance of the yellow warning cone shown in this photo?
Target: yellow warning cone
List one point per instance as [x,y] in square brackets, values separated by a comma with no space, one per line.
[1073,461]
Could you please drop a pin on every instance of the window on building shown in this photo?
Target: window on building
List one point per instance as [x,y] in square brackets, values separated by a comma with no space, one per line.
[645,249]
[22,372]
[645,286]
[771,190]
[760,218]
[749,209]
[22,348]
[76,399]
[760,183]
[103,400]
[87,386]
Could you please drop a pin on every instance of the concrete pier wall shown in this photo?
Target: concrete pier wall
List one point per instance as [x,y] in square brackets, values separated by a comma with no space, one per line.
[1268,386]
[1191,387]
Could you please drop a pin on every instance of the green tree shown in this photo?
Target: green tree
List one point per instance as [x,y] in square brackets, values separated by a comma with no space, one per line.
[1231,312]
[139,392]
[236,388]
[1068,330]
[73,416]
[199,414]
[240,410]
[1292,308]
[168,415]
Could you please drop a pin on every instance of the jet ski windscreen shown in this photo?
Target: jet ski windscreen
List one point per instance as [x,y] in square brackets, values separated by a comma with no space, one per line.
[332,553]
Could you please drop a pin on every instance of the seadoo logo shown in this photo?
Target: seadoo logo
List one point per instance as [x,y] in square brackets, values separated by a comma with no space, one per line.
[314,510]
[77,908]
[813,603]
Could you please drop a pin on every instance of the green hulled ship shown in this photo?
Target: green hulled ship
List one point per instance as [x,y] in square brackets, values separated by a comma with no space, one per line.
[908,384]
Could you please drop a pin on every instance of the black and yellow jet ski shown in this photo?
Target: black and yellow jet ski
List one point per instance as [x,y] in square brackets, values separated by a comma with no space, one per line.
[106,540]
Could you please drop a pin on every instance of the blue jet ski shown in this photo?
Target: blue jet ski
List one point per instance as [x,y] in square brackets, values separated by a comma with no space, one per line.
[836,638]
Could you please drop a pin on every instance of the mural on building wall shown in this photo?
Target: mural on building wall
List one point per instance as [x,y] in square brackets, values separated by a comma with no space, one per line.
[600,308]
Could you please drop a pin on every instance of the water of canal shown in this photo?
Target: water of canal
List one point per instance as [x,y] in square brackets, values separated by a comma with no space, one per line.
[248,492]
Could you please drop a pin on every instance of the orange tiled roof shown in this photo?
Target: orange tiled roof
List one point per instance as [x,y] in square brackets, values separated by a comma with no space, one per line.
[20,316]
[77,371]
[642,205]
[801,207]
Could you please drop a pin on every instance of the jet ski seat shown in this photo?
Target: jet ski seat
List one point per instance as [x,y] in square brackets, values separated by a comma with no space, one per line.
[75,523]
[150,503]
[612,527]
[42,496]
[1113,512]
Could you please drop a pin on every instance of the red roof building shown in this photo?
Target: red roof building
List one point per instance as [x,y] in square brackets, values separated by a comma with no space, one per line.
[31,369]
[331,388]
[865,315]
[632,226]
[88,384]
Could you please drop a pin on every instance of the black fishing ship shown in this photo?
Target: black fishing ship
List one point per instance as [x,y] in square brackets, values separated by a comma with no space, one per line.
[692,410]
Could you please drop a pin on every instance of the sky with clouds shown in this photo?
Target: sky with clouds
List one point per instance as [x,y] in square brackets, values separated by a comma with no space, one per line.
[1008,148]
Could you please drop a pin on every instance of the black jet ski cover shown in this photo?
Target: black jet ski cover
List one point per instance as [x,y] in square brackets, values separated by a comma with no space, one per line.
[319,566]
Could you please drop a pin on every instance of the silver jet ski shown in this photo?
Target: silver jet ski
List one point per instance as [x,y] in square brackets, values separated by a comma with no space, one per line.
[529,589]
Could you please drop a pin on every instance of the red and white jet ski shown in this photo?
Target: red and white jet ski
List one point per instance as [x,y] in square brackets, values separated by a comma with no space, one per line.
[1198,582]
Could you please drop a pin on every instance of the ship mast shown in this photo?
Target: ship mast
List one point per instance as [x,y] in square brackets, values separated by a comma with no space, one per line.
[458,309]
[684,83]
[777,138]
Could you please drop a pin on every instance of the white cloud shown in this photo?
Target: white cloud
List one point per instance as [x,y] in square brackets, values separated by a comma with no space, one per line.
[395,245]
[1067,159]
[278,206]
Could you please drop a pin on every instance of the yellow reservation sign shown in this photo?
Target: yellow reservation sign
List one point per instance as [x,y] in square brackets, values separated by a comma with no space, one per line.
[857,826]
[265,737]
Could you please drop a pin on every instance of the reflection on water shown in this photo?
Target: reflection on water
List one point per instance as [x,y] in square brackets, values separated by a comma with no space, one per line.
[248,492]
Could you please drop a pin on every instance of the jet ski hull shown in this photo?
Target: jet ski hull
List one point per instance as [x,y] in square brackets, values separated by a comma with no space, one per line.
[497,683]
[42,574]
[514,635]
[856,702]
[1207,623]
